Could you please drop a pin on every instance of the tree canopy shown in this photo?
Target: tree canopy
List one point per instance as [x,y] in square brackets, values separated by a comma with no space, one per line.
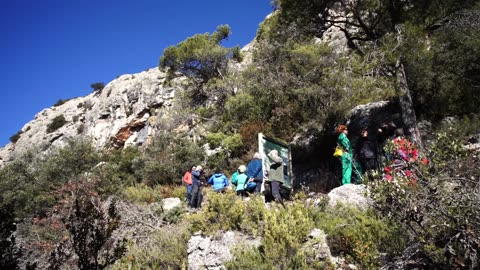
[200,56]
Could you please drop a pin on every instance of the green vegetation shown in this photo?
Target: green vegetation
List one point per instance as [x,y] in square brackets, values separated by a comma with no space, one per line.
[9,254]
[201,56]
[14,138]
[166,249]
[90,226]
[436,200]
[60,102]
[142,194]
[294,83]
[56,123]
[98,86]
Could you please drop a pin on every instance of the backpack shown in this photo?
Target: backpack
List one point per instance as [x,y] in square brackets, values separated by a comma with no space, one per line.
[250,186]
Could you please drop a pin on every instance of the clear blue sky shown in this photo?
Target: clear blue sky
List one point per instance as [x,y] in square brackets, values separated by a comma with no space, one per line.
[54,49]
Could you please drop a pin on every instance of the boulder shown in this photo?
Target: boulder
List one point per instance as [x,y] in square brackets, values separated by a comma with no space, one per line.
[209,253]
[170,203]
[316,247]
[350,194]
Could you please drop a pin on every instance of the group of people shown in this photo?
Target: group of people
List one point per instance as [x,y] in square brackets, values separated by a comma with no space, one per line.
[246,179]
[368,155]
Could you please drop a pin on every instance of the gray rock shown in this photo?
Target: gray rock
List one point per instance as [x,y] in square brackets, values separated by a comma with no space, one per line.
[350,194]
[316,247]
[111,116]
[170,203]
[209,253]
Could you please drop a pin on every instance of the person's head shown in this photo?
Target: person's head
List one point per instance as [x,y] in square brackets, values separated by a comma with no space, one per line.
[217,170]
[242,168]
[257,156]
[342,129]
[193,168]
[364,133]
[199,168]
[273,153]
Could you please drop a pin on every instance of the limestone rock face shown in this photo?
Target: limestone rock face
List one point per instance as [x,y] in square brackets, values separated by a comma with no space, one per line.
[121,114]
[208,253]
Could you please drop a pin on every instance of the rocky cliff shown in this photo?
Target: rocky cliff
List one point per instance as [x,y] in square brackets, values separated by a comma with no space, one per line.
[121,114]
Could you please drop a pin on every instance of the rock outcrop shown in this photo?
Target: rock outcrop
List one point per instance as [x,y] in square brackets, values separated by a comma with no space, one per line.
[350,195]
[210,253]
[123,113]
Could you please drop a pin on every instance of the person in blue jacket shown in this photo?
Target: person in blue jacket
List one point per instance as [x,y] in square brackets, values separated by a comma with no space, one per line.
[197,179]
[219,181]
[255,174]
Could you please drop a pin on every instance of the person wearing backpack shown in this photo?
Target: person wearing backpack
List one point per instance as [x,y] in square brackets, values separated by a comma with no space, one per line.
[218,180]
[275,175]
[255,174]
[196,197]
[240,181]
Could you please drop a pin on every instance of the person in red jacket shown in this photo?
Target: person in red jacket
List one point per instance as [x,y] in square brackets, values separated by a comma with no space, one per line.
[187,180]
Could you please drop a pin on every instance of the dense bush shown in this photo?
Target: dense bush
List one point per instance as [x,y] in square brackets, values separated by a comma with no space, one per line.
[142,194]
[98,86]
[200,56]
[56,123]
[223,211]
[60,102]
[29,180]
[90,226]
[361,236]
[438,204]
[166,160]
[9,253]
[14,138]
[165,249]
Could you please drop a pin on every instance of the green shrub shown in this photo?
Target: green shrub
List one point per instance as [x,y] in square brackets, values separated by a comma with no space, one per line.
[14,138]
[439,208]
[179,192]
[174,215]
[215,139]
[56,123]
[142,194]
[164,162]
[253,221]
[97,86]
[361,235]
[29,180]
[90,225]
[166,248]
[233,143]
[230,143]
[284,232]
[223,211]
[199,56]
[60,102]
[9,254]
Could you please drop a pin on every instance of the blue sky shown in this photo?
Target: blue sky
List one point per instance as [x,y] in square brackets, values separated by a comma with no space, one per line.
[54,49]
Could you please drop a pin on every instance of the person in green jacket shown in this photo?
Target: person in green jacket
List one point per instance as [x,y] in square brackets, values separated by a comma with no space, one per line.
[275,175]
[346,158]
[240,180]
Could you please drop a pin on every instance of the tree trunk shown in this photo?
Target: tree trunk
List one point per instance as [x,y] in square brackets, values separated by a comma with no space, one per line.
[406,105]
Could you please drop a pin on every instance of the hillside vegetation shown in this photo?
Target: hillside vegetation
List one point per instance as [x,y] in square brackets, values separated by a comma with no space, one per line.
[69,208]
